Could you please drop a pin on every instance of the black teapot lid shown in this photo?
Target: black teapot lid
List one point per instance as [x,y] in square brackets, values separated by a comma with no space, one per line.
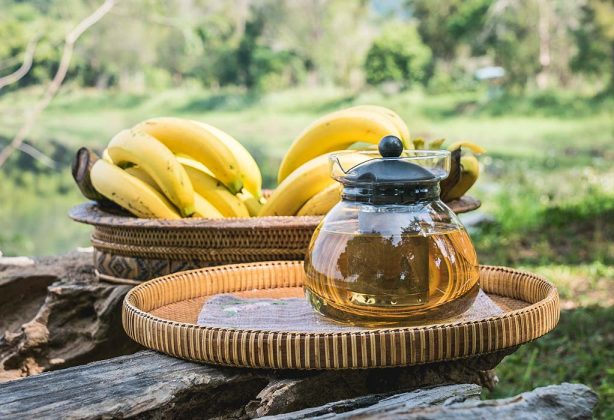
[390,169]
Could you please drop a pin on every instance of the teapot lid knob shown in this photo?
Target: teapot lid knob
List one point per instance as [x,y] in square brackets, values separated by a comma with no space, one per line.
[390,147]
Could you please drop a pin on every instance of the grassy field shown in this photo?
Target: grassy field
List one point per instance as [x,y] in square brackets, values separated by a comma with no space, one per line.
[547,189]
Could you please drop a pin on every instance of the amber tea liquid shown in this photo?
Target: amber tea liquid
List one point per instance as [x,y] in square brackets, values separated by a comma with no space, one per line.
[373,279]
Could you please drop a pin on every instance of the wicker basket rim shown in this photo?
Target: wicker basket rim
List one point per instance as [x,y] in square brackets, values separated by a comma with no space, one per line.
[89,213]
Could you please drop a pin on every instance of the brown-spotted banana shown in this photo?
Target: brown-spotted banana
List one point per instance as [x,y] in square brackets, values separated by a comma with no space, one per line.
[129,192]
[216,193]
[139,148]
[186,137]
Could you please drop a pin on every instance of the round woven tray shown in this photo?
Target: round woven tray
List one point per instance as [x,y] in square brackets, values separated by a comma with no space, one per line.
[161,314]
[130,250]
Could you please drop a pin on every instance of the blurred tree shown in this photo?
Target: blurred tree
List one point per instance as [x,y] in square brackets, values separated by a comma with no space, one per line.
[531,39]
[269,44]
[445,25]
[19,22]
[330,37]
[398,55]
[595,38]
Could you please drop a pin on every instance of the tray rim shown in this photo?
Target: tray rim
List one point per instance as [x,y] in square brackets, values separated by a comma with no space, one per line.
[551,298]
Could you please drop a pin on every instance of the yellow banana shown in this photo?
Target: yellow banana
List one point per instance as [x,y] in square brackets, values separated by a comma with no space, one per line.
[322,202]
[137,172]
[396,119]
[130,146]
[205,209]
[252,203]
[336,131]
[248,168]
[186,160]
[105,156]
[469,145]
[216,193]
[186,137]
[130,192]
[470,171]
[302,184]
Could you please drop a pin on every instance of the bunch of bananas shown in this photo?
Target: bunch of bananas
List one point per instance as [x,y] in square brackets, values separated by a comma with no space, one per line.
[305,186]
[171,167]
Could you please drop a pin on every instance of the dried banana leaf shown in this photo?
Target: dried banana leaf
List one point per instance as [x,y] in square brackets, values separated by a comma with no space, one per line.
[454,177]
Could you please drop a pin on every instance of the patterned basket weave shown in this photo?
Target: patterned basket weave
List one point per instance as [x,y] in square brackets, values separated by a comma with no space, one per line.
[130,250]
[161,314]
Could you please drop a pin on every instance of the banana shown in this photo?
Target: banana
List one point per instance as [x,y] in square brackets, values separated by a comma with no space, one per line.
[186,137]
[336,131]
[216,193]
[470,171]
[137,147]
[322,202]
[396,119]
[302,184]
[137,172]
[469,145]
[253,205]
[130,192]
[205,209]
[105,156]
[248,168]
[186,160]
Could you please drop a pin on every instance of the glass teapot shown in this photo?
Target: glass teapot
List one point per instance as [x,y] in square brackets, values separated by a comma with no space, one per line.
[390,252]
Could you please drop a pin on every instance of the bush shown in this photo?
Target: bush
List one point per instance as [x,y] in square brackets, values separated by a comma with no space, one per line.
[398,55]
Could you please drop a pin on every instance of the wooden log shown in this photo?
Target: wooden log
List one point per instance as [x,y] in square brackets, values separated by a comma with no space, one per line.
[288,391]
[54,313]
[425,397]
[152,384]
[143,384]
[565,401]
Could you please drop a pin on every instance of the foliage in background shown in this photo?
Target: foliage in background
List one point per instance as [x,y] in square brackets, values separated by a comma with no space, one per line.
[270,45]
[398,55]
[595,38]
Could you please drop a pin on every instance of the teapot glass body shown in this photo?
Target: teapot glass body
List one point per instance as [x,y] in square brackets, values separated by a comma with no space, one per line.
[391,252]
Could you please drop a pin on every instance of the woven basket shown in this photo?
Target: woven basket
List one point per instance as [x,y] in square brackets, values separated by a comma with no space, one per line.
[161,314]
[131,250]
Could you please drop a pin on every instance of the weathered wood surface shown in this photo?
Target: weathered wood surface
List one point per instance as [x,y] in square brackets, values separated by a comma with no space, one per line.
[425,397]
[565,401]
[54,313]
[149,384]
[152,385]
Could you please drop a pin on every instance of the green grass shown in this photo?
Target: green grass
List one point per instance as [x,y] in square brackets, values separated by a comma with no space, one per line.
[547,186]
[580,349]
